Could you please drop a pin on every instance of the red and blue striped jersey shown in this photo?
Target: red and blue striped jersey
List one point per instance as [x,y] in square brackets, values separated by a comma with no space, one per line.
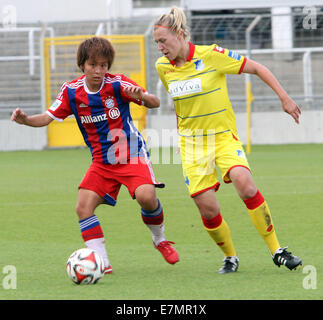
[103,118]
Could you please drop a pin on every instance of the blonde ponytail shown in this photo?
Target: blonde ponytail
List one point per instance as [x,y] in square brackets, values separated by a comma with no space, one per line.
[175,21]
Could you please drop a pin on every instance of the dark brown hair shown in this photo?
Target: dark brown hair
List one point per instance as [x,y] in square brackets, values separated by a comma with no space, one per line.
[93,48]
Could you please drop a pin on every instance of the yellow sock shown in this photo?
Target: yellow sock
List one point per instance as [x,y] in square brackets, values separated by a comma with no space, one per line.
[261,218]
[219,231]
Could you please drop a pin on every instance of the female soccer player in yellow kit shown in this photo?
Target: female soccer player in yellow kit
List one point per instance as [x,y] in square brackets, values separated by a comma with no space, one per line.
[194,76]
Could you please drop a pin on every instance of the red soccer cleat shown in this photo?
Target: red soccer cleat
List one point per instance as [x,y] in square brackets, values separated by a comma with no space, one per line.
[168,251]
[108,270]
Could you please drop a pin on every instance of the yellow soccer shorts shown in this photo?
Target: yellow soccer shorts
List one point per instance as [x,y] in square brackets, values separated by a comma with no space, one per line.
[202,156]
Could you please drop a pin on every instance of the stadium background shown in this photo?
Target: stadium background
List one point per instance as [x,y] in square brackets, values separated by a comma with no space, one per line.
[286,37]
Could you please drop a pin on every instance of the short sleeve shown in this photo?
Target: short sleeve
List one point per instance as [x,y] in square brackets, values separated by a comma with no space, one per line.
[125,83]
[60,109]
[227,61]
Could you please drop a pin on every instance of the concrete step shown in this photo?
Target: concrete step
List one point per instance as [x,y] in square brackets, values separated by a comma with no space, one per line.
[15,97]
[31,88]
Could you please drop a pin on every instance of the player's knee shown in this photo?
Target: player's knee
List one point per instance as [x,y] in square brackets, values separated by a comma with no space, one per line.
[208,210]
[245,186]
[79,211]
[82,211]
[147,201]
[248,191]
[146,197]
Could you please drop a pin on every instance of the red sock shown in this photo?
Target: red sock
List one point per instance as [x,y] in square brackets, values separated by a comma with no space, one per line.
[91,228]
[212,223]
[255,201]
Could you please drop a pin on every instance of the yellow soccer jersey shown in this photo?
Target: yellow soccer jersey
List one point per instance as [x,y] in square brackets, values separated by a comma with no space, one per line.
[199,89]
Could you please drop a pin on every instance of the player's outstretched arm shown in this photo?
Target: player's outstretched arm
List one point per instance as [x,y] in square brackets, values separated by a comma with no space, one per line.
[37,120]
[288,104]
[149,100]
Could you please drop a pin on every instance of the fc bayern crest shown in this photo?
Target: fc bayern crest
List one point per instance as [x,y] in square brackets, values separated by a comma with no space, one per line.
[109,103]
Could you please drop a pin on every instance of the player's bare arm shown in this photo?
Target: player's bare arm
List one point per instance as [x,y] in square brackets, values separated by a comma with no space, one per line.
[288,104]
[149,100]
[37,120]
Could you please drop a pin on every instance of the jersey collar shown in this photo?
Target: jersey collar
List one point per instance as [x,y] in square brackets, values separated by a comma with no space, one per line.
[87,90]
[190,54]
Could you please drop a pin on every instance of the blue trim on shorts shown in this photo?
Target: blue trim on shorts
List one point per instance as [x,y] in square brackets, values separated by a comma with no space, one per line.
[109,200]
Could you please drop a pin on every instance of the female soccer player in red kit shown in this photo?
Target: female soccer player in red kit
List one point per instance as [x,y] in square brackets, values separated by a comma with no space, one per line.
[100,103]
[194,76]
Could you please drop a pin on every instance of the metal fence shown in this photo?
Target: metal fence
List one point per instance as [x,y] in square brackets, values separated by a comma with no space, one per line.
[298,68]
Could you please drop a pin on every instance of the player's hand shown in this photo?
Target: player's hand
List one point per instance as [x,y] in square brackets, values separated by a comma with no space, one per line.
[134,92]
[19,116]
[290,107]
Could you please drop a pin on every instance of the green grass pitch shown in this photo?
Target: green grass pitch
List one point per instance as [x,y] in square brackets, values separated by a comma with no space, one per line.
[39,230]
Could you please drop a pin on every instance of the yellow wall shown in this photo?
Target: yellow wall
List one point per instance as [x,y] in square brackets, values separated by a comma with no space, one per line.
[64,134]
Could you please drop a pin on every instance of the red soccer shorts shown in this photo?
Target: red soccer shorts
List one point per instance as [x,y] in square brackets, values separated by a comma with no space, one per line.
[106,179]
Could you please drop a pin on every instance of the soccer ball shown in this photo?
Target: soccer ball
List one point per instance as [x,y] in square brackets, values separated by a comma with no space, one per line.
[85,266]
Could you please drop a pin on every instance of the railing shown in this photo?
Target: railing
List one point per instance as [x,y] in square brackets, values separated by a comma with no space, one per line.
[31,57]
[308,95]
[307,65]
